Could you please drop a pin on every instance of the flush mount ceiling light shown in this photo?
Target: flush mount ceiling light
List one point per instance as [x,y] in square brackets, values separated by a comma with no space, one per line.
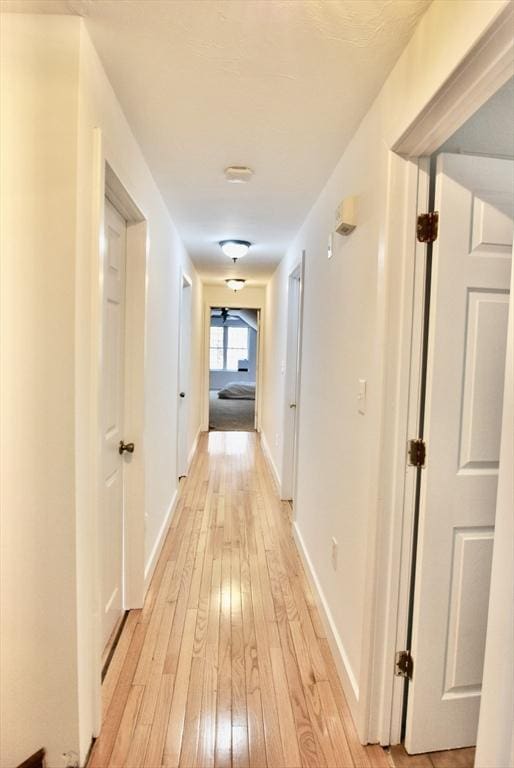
[235,249]
[235,284]
[238,174]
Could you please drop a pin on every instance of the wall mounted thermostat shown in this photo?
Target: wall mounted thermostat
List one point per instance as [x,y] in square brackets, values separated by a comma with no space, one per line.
[346,216]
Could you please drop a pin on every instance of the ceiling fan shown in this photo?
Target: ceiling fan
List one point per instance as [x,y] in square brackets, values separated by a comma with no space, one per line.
[222,312]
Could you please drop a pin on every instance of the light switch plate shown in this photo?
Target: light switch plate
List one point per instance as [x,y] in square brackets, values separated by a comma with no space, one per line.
[330,248]
[361,396]
[334,553]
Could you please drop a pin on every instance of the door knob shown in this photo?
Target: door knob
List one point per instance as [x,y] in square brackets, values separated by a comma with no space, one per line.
[182,394]
[128,447]
[292,405]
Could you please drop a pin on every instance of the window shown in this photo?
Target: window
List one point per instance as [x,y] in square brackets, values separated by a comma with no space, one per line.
[227,347]
[237,347]
[216,356]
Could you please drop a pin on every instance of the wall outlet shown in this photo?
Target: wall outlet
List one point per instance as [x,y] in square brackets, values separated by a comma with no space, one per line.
[70,759]
[335,552]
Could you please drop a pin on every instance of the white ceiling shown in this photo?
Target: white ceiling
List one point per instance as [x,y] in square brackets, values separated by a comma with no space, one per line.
[279,85]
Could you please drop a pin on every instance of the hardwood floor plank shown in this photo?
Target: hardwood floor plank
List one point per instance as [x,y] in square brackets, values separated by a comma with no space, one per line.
[145,660]
[272,739]
[193,714]
[223,750]
[240,757]
[138,746]
[454,758]
[103,747]
[155,749]
[305,735]
[112,677]
[335,727]
[173,741]
[207,734]
[127,728]
[402,760]
[256,744]
[285,711]
[378,756]
[359,753]
[239,716]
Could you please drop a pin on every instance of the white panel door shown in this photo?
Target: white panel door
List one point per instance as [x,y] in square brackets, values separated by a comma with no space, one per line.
[465,373]
[112,419]
[292,382]
[183,376]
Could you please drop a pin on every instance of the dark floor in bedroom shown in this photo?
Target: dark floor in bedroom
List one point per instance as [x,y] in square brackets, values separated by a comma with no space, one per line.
[227,415]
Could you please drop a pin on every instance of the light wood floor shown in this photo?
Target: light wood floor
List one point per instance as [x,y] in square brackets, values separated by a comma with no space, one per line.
[453,758]
[227,664]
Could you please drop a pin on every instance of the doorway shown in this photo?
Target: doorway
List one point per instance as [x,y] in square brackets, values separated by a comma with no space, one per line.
[184,374]
[119,397]
[292,382]
[459,407]
[233,368]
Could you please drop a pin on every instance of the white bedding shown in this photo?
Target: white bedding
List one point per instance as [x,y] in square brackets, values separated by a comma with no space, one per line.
[238,390]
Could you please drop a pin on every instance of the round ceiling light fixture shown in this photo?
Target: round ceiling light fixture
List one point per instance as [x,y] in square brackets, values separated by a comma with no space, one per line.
[235,249]
[235,284]
[238,174]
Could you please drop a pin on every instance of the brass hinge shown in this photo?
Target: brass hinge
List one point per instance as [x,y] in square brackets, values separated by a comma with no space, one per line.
[417,452]
[427,227]
[404,665]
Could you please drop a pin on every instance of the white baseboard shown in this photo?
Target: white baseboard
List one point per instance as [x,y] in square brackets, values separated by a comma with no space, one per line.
[156,549]
[346,674]
[193,449]
[269,457]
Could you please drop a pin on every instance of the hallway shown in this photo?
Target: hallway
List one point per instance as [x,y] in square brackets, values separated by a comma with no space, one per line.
[227,663]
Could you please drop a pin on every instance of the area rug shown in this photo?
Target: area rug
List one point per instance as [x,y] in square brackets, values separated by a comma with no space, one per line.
[231,415]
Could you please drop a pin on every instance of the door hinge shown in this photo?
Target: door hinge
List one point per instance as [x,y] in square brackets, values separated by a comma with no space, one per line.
[427,227]
[404,665]
[417,453]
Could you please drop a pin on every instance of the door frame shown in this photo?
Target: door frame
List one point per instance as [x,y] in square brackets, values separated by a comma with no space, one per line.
[232,304]
[486,67]
[107,184]
[185,282]
[293,356]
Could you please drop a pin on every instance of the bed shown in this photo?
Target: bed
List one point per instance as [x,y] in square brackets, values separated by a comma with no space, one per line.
[238,390]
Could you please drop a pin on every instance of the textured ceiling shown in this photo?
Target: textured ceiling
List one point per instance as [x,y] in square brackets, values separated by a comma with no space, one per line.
[277,85]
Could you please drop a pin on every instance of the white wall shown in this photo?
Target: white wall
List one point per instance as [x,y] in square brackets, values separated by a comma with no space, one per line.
[338,348]
[55,94]
[251,297]
[351,305]
[39,71]
[495,742]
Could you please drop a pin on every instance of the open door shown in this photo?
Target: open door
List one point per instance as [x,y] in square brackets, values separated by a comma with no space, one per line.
[294,306]
[463,410]
[113,447]
[183,374]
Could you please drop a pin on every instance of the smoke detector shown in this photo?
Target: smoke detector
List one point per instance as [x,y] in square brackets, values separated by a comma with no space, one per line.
[238,174]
